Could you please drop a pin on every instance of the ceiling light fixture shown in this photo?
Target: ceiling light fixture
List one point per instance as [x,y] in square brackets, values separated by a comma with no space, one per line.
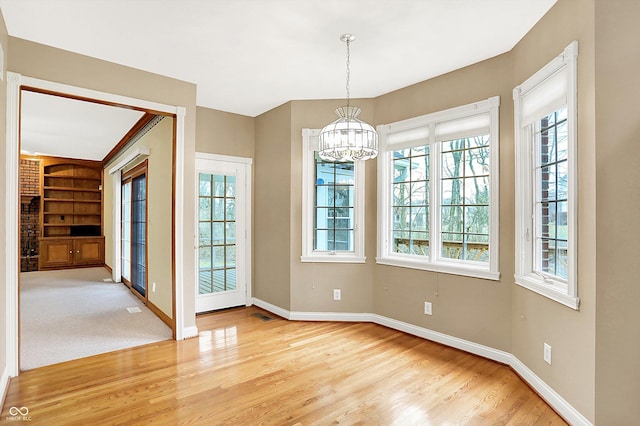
[347,138]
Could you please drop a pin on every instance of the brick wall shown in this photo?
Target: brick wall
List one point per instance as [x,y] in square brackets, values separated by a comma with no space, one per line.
[29,213]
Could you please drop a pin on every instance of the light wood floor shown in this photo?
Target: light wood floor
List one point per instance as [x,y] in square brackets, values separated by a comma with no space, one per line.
[242,370]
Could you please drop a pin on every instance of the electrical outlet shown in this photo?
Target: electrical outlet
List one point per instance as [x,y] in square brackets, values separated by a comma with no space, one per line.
[153,287]
[547,353]
[337,294]
[427,308]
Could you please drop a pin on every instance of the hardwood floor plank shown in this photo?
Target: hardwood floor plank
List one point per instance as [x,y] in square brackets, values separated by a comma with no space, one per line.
[242,370]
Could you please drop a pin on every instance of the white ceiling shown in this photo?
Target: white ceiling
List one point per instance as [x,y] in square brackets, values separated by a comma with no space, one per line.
[248,56]
[64,127]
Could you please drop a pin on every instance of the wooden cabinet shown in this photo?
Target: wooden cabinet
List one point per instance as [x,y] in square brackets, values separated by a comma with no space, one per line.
[71,213]
[58,253]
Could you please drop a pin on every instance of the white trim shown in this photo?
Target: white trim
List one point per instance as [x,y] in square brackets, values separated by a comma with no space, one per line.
[562,292]
[309,138]
[454,269]
[116,269]
[330,316]
[14,81]
[246,164]
[555,400]
[336,257]
[141,150]
[4,385]
[272,308]
[466,115]
[220,157]
[12,236]
[179,228]
[189,332]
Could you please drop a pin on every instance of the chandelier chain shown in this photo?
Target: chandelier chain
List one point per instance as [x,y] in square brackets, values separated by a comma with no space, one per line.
[348,70]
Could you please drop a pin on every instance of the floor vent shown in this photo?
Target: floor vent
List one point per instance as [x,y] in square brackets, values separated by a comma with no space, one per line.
[134,310]
[263,317]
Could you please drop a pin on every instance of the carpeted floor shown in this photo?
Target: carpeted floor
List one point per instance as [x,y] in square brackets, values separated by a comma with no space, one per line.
[74,313]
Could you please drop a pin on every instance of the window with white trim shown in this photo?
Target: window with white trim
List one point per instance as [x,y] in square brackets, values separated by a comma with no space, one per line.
[438,191]
[332,206]
[546,174]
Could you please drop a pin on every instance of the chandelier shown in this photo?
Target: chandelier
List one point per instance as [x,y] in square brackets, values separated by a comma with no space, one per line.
[347,138]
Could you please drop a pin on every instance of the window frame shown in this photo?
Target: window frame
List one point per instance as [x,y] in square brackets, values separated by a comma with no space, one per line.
[425,130]
[563,68]
[309,147]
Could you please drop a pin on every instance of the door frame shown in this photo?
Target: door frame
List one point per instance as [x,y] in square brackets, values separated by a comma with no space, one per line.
[15,81]
[248,217]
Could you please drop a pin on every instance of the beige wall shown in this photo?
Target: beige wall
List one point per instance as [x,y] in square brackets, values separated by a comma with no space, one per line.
[474,309]
[219,132]
[48,63]
[4,44]
[312,284]
[224,133]
[160,160]
[617,94]
[272,207]
[498,314]
[536,319]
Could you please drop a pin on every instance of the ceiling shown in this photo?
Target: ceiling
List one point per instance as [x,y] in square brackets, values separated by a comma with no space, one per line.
[249,56]
[64,127]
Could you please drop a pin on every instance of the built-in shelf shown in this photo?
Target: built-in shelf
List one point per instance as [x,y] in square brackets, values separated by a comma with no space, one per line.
[71,213]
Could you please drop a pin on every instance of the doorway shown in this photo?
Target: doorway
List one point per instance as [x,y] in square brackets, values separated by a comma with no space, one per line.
[15,82]
[224,232]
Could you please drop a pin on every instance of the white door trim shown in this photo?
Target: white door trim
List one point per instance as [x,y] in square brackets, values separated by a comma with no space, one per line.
[247,162]
[14,82]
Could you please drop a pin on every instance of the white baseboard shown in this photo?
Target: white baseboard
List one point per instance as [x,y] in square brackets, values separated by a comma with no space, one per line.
[4,385]
[272,308]
[445,339]
[189,332]
[554,399]
[566,410]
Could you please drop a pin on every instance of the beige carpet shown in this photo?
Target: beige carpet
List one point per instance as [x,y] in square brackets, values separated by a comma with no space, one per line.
[74,313]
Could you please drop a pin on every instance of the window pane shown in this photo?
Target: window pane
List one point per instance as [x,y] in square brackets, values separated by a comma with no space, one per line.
[334,206]
[410,208]
[465,198]
[552,182]
[419,219]
[218,208]
[419,243]
[451,192]
[401,171]
[419,194]
[205,185]
[401,218]
[401,194]
[205,209]
[205,233]
[230,186]
[218,233]
[218,185]
[451,219]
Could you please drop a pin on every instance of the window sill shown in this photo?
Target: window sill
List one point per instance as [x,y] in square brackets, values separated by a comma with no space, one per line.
[466,271]
[333,258]
[537,285]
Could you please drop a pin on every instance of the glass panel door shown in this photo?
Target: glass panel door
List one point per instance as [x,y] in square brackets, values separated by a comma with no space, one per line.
[139,234]
[220,237]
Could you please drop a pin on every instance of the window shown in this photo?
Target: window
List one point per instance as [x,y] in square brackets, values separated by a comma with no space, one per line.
[438,191]
[545,137]
[332,207]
